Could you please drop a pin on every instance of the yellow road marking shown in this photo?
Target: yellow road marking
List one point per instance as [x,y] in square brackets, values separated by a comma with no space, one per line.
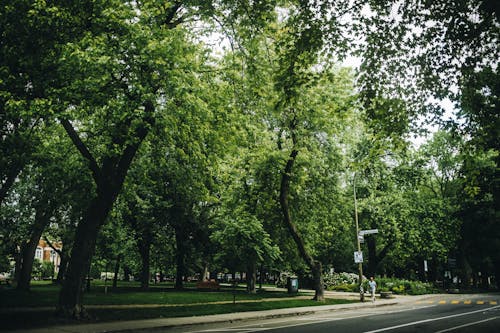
[455,302]
[424,302]
[493,302]
[467,302]
[442,302]
[480,302]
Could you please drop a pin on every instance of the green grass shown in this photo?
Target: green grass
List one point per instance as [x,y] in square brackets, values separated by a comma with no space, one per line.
[46,294]
[17,320]
[177,303]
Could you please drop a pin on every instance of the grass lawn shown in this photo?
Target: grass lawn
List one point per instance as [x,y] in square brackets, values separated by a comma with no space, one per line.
[176,303]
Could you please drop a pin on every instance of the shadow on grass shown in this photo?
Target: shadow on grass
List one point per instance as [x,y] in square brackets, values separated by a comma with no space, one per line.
[45,318]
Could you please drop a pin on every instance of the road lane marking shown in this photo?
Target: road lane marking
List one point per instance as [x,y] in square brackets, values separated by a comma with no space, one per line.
[455,302]
[442,302]
[493,302]
[467,302]
[480,302]
[466,325]
[428,320]
[312,318]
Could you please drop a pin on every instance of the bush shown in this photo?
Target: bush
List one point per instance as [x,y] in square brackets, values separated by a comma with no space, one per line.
[399,286]
[47,270]
[341,281]
[344,287]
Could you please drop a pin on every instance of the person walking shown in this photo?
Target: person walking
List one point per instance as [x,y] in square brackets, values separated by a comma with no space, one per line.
[373,286]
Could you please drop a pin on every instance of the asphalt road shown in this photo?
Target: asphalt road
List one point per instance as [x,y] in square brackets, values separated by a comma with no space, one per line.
[448,313]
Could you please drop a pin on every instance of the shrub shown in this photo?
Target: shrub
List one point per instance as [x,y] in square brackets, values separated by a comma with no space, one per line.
[401,286]
[344,287]
[341,281]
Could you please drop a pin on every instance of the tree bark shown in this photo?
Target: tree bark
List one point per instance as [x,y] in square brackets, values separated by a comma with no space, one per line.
[204,272]
[63,253]
[71,295]
[62,267]
[144,244]
[117,269]
[179,256]
[109,179]
[251,278]
[314,265]
[9,180]
[42,216]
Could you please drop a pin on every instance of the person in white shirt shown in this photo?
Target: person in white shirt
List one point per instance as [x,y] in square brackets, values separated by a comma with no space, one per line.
[373,286]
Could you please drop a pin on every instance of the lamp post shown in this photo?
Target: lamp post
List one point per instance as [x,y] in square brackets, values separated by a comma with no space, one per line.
[360,264]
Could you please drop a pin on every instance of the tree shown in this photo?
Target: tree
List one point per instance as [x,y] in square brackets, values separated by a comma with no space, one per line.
[119,73]
[32,35]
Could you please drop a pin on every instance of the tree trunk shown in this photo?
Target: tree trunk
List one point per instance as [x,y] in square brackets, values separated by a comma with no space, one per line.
[204,274]
[71,295]
[314,265]
[373,260]
[109,178]
[28,249]
[62,267]
[144,244]
[180,267]
[117,269]
[126,273]
[18,258]
[317,271]
[251,278]
[8,181]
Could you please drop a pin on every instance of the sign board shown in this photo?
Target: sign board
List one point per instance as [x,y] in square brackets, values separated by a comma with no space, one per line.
[368,232]
[358,257]
[361,239]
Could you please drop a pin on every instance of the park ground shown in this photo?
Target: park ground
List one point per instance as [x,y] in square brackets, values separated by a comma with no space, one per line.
[36,308]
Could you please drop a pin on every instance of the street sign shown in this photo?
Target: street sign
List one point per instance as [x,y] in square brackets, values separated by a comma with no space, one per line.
[361,239]
[368,232]
[358,257]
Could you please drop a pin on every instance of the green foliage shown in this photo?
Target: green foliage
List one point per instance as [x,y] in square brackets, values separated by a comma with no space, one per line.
[401,286]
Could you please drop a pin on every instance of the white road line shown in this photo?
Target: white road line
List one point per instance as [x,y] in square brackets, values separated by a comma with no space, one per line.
[313,320]
[469,324]
[429,320]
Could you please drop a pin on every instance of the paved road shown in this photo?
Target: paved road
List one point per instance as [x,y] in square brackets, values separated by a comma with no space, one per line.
[448,313]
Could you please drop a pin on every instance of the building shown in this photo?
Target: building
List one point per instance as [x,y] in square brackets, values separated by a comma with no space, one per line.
[45,253]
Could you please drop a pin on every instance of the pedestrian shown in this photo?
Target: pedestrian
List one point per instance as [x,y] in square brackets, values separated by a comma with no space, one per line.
[373,286]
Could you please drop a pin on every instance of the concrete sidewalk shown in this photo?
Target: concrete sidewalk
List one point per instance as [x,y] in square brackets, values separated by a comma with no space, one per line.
[123,326]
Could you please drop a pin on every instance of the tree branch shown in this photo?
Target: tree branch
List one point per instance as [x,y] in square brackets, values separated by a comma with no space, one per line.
[58,251]
[82,149]
[140,133]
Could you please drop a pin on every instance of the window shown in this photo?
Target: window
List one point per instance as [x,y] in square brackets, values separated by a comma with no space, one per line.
[39,253]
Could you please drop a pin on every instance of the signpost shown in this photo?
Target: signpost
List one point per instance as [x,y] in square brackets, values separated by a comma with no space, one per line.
[368,232]
[358,257]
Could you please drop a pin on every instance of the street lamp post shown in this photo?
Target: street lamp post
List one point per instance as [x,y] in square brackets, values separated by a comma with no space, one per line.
[360,264]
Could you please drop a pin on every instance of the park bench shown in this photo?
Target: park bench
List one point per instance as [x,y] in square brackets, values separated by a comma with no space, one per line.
[208,285]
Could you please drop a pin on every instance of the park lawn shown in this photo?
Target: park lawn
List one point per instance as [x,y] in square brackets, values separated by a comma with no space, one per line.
[43,297]
[43,294]
[44,318]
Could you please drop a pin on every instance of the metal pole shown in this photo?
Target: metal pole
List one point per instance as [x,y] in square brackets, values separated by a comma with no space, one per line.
[360,265]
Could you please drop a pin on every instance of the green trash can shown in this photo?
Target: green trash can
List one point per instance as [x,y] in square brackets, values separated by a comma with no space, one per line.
[293,285]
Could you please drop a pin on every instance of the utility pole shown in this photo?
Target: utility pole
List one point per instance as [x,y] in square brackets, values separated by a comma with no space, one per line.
[360,264]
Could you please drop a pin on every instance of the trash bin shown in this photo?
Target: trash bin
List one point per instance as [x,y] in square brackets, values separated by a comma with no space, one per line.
[293,285]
